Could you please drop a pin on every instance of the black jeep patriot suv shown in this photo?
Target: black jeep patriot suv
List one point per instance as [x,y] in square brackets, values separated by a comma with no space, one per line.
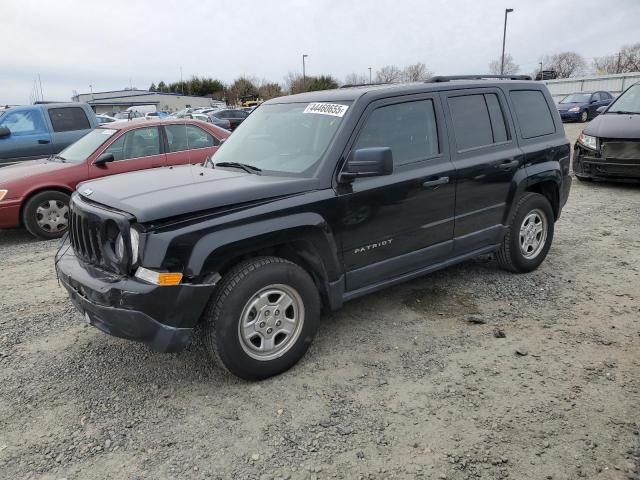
[317,199]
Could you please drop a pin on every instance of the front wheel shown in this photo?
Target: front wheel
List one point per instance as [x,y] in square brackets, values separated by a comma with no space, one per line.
[529,235]
[262,318]
[46,214]
[584,116]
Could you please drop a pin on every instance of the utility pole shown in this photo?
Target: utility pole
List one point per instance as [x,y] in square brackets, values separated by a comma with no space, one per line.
[40,81]
[304,72]
[370,75]
[181,82]
[91,89]
[618,65]
[504,37]
[541,71]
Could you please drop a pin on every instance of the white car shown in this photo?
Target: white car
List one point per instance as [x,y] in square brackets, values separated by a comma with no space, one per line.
[104,119]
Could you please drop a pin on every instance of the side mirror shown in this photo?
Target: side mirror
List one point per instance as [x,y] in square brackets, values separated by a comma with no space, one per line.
[601,109]
[103,159]
[4,132]
[367,162]
[593,100]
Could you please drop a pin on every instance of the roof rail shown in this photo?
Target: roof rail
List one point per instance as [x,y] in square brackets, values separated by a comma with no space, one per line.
[440,78]
[350,85]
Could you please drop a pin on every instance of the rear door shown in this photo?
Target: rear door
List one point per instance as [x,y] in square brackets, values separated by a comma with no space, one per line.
[487,158]
[68,125]
[29,136]
[395,224]
[136,149]
[188,144]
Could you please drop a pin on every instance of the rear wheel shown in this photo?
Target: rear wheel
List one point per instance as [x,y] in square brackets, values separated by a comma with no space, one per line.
[46,214]
[262,318]
[529,235]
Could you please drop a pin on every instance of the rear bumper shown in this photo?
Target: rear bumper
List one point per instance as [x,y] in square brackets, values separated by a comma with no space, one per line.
[161,317]
[10,214]
[588,164]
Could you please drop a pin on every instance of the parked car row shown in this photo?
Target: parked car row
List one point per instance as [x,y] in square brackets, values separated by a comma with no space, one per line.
[583,106]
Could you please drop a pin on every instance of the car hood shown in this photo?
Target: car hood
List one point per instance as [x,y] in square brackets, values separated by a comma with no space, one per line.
[31,168]
[163,193]
[614,125]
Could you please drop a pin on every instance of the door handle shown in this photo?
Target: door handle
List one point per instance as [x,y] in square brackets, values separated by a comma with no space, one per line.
[506,165]
[435,182]
[43,141]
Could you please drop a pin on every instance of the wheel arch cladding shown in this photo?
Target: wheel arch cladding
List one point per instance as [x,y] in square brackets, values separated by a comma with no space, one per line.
[549,189]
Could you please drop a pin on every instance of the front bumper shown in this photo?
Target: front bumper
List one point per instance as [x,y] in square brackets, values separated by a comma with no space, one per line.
[566,115]
[589,164]
[161,317]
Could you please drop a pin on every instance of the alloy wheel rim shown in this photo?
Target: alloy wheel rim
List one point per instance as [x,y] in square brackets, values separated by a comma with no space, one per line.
[52,216]
[271,322]
[533,234]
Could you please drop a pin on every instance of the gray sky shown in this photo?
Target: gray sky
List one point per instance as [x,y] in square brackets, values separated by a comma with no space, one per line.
[76,43]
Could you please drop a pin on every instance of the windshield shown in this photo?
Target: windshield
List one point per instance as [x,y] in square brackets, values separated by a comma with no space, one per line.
[576,98]
[628,102]
[287,138]
[80,150]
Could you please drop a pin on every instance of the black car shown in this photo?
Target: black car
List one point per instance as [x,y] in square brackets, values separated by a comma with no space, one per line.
[234,117]
[609,146]
[318,199]
[583,106]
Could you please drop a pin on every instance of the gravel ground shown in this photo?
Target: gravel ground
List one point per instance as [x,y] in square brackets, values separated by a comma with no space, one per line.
[468,373]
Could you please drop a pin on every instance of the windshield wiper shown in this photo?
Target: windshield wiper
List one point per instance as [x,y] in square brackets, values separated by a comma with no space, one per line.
[57,157]
[247,168]
[624,112]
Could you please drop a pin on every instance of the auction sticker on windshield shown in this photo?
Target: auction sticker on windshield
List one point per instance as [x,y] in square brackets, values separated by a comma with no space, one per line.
[334,109]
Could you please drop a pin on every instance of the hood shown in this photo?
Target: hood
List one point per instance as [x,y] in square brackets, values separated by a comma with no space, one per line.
[168,192]
[614,125]
[31,168]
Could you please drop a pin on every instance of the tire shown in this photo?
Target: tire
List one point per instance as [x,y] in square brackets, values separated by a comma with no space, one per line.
[582,178]
[46,214]
[584,116]
[250,294]
[523,249]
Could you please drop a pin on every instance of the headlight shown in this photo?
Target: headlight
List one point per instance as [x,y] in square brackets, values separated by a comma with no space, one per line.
[574,109]
[134,236]
[3,193]
[588,141]
[119,250]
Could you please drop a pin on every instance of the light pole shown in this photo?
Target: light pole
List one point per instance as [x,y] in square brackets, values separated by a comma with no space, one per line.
[304,72]
[369,75]
[541,71]
[504,36]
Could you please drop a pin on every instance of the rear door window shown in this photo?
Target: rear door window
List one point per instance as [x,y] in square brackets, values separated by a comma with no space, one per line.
[187,137]
[67,119]
[471,121]
[533,113]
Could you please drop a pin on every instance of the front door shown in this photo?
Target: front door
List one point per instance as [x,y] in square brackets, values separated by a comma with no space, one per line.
[29,137]
[395,224]
[134,150]
[486,157]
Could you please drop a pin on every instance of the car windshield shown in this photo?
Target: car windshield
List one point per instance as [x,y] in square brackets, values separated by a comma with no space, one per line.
[576,98]
[628,102]
[286,138]
[80,150]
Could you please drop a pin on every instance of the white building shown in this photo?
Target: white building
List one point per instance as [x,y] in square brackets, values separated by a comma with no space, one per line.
[117,100]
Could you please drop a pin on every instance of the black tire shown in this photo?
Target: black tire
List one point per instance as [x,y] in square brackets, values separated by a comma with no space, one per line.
[224,314]
[30,214]
[584,116]
[582,178]
[510,255]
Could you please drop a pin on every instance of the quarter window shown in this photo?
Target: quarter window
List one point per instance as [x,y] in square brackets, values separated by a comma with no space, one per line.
[186,137]
[68,118]
[409,129]
[533,113]
[25,122]
[142,142]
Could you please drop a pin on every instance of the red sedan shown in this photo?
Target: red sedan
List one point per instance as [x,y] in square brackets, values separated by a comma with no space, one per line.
[35,194]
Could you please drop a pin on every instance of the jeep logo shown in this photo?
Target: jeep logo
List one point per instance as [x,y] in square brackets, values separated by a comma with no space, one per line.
[371,246]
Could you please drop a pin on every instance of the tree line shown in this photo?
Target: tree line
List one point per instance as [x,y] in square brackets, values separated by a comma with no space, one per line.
[565,64]
[572,64]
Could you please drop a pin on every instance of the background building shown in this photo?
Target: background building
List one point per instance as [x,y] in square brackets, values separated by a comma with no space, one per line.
[117,100]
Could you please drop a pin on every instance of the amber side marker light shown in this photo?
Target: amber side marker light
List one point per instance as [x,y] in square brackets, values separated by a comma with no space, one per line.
[3,193]
[158,278]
